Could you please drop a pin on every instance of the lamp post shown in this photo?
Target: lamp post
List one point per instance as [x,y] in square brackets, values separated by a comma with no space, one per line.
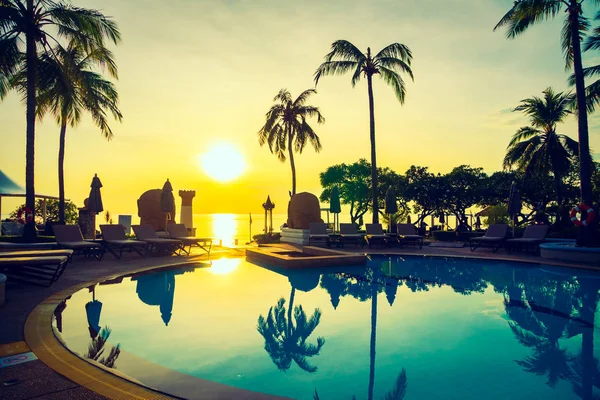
[269,206]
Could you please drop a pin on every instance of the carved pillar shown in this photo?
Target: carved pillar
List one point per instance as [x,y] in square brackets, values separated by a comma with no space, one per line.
[187,213]
[87,223]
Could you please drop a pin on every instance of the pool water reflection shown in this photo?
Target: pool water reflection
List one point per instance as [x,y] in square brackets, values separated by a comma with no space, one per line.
[412,328]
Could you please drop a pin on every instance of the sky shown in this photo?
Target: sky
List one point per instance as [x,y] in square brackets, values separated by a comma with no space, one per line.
[194,74]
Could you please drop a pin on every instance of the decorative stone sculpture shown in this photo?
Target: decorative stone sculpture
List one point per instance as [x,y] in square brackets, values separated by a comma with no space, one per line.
[303,209]
[149,210]
[185,218]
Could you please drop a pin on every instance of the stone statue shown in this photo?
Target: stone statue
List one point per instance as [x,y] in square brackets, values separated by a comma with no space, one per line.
[303,209]
[149,210]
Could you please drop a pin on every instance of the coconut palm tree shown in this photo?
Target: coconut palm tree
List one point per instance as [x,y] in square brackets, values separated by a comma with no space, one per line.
[538,148]
[286,127]
[285,341]
[68,87]
[525,13]
[388,63]
[40,25]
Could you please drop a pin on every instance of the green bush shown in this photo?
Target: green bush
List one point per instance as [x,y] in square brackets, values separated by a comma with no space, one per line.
[497,215]
[266,238]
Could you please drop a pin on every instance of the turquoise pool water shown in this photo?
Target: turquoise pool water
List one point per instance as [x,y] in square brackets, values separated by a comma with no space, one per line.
[410,327]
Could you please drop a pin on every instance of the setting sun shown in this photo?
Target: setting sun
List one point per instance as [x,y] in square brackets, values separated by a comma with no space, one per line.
[223,162]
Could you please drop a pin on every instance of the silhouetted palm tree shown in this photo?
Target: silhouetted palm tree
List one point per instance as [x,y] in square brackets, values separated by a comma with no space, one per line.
[96,349]
[388,63]
[525,13]
[285,341]
[538,148]
[67,87]
[286,127]
[34,24]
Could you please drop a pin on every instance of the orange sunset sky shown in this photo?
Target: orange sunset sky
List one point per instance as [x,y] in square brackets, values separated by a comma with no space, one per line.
[196,74]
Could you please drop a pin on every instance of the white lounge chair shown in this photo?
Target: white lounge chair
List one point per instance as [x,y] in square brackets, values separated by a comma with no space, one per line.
[494,237]
[407,233]
[115,240]
[147,234]
[180,232]
[349,233]
[70,237]
[317,232]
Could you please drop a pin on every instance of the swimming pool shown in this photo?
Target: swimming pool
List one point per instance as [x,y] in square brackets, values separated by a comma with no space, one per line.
[408,327]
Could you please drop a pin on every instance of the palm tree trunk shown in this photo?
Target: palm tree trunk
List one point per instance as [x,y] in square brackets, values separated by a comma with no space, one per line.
[29,233]
[559,218]
[373,152]
[291,154]
[585,162]
[290,308]
[373,337]
[61,172]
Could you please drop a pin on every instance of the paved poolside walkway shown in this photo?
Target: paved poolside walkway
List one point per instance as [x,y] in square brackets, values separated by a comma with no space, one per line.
[34,380]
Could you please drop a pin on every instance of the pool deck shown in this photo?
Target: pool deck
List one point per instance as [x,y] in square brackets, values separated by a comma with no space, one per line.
[35,379]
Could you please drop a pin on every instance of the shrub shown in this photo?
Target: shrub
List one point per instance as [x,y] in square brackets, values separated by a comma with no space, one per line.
[497,215]
[266,238]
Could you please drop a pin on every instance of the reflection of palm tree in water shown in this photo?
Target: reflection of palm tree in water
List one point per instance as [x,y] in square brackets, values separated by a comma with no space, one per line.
[537,328]
[96,349]
[369,284]
[285,342]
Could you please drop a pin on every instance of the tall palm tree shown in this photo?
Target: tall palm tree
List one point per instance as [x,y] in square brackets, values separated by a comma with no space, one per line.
[285,341]
[538,148]
[67,87]
[388,63]
[526,13]
[40,25]
[286,127]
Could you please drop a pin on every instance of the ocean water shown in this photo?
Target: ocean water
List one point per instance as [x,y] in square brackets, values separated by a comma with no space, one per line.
[232,229]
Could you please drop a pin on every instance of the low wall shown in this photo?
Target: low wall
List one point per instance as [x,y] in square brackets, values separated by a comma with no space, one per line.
[568,251]
[294,236]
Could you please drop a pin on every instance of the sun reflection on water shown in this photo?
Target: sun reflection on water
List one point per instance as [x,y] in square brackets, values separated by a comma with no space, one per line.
[224,228]
[224,266]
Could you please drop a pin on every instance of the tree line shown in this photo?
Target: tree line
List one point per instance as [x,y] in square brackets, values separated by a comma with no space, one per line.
[425,193]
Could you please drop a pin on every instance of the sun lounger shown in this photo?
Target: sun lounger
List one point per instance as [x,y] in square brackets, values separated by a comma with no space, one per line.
[407,233]
[349,233]
[148,235]
[317,232]
[180,232]
[37,253]
[41,271]
[375,234]
[70,237]
[533,236]
[494,237]
[115,240]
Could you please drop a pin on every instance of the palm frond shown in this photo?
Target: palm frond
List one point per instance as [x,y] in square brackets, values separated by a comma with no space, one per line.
[345,50]
[399,390]
[567,39]
[395,81]
[526,13]
[395,64]
[301,99]
[334,68]
[395,51]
